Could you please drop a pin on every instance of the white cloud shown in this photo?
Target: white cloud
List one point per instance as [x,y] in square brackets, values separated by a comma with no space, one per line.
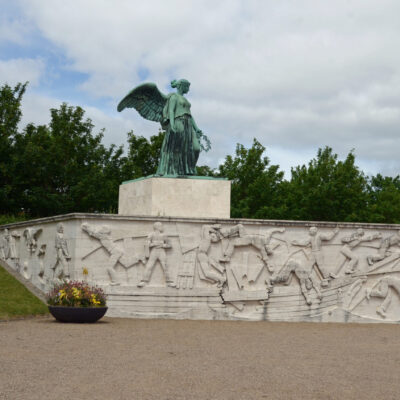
[295,75]
[21,70]
[13,30]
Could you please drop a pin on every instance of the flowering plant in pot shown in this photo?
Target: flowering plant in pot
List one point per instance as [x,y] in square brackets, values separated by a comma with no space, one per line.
[76,301]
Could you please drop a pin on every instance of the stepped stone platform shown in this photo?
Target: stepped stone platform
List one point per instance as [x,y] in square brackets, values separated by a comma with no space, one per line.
[209,268]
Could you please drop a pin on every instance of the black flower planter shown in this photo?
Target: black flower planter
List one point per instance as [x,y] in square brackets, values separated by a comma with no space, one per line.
[77,314]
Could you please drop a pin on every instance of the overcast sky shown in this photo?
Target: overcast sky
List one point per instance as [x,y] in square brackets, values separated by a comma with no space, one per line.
[297,75]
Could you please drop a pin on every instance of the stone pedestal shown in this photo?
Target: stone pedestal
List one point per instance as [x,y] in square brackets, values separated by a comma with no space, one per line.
[197,197]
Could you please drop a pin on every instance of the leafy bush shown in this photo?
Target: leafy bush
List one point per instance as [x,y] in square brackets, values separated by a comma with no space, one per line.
[76,294]
[10,219]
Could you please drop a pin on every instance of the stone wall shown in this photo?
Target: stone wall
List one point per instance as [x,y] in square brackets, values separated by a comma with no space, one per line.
[154,267]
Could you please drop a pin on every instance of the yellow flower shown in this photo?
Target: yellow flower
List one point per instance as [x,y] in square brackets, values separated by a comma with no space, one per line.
[94,300]
[62,294]
[76,293]
[85,271]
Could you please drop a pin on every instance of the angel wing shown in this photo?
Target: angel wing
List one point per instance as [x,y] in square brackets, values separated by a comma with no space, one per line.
[147,100]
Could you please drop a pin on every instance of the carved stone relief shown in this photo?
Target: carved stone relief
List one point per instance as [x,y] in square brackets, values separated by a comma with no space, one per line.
[315,241]
[41,272]
[61,265]
[3,246]
[350,243]
[384,249]
[384,289]
[117,254]
[209,268]
[303,273]
[31,235]
[247,271]
[11,244]
[185,278]
[155,251]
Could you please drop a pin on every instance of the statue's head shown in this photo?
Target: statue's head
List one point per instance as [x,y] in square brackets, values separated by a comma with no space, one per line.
[214,237]
[360,232]
[158,226]
[313,230]
[182,85]
[60,228]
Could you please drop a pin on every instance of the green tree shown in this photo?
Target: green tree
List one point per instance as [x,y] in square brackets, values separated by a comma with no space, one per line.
[64,168]
[10,116]
[384,199]
[256,185]
[327,190]
[143,155]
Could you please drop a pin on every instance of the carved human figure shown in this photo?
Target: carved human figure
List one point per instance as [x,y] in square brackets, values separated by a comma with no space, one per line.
[209,268]
[117,254]
[3,246]
[303,273]
[383,250]
[260,242]
[156,244]
[11,247]
[31,236]
[61,266]
[350,243]
[317,258]
[383,291]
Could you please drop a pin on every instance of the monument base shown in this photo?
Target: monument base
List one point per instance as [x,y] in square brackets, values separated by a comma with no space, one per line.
[192,268]
[191,197]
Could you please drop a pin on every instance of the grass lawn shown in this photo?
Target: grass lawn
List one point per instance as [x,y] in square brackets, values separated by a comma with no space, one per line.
[17,301]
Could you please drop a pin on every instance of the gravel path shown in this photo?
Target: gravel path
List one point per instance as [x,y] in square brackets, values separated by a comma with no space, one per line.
[159,359]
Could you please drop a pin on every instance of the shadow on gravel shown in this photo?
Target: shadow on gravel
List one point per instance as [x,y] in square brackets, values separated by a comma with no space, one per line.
[54,321]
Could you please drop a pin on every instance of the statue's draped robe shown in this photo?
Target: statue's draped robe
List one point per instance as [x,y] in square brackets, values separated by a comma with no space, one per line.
[180,149]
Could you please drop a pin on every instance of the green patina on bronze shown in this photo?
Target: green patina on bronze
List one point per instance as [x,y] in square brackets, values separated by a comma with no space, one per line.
[183,139]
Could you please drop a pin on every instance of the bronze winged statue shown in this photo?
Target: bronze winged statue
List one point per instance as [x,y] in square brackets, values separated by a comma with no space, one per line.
[183,140]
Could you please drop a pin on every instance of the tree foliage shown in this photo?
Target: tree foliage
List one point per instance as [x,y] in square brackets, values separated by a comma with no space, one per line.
[10,116]
[143,155]
[384,199]
[63,167]
[256,191]
[327,189]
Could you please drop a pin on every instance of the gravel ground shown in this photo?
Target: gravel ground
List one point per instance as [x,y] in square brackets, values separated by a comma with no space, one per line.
[162,359]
